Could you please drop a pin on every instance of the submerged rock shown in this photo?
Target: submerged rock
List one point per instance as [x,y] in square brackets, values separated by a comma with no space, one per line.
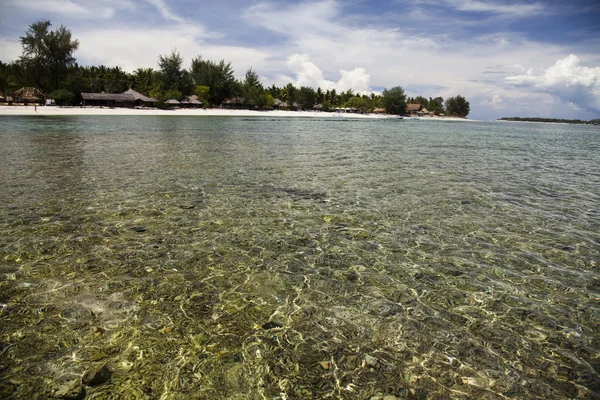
[371,361]
[96,376]
[271,325]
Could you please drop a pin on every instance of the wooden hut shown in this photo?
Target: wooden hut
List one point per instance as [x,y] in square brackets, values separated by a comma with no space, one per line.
[191,102]
[29,95]
[234,102]
[108,99]
[277,104]
[414,109]
[140,99]
[172,103]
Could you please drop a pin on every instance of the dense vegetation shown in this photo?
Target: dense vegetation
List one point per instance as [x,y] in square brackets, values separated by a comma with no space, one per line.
[47,63]
[554,120]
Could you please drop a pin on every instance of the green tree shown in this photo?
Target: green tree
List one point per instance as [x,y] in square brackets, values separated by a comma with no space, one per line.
[60,48]
[203,94]
[47,55]
[394,100]
[173,76]
[422,101]
[275,92]
[173,94]
[290,95]
[62,97]
[254,94]
[306,97]
[320,96]
[217,76]
[345,96]
[144,79]
[458,106]
[357,102]
[269,100]
[436,105]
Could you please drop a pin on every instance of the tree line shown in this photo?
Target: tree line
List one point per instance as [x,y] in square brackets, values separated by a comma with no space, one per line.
[47,63]
[553,120]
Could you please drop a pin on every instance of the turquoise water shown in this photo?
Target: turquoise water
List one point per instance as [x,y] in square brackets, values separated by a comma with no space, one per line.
[209,258]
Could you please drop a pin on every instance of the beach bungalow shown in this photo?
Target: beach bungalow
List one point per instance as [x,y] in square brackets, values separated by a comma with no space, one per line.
[191,102]
[108,99]
[141,100]
[277,104]
[29,95]
[234,102]
[172,103]
[414,109]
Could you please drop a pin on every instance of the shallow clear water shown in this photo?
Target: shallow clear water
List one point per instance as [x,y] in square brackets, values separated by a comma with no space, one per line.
[295,258]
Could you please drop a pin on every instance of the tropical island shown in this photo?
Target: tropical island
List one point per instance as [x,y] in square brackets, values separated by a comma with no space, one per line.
[551,120]
[47,73]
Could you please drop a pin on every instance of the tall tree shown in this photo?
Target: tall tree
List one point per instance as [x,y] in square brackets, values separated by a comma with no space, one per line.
[173,76]
[458,106]
[144,79]
[394,100]
[217,76]
[290,95]
[45,51]
[436,105]
[60,48]
[306,97]
[253,90]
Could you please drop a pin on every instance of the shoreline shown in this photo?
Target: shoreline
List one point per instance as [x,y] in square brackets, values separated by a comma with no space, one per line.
[210,112]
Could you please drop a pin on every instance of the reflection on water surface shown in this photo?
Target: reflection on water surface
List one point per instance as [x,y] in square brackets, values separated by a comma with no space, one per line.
[174,258]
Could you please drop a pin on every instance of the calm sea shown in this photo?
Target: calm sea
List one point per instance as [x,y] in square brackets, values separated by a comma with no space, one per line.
[259,258]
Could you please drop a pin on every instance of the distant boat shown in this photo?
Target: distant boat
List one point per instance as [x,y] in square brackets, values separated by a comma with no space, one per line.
[595,123]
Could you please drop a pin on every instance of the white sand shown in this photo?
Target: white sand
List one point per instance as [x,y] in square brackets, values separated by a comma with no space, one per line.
[29,110]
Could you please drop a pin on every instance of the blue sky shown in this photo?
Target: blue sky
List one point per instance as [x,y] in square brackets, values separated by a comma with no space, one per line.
[508,58]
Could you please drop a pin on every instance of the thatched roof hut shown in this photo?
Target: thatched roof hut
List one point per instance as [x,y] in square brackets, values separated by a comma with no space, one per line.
[234,102]
[109,99]
[191,101]
[318,107]
[29,94]
[412,107]
[172,102]
[379,111]
[138,97]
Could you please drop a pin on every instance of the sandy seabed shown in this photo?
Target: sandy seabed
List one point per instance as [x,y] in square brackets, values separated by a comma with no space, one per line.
[210,112]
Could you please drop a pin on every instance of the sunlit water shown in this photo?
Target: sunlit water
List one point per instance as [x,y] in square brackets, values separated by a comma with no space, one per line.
[231,258]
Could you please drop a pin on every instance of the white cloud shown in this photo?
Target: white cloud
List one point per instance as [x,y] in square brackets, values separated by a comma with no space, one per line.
[308,74]
[88,10]
[165,11]
[567,80]
[514,9]
[9,50]
[496,102]
[134,48]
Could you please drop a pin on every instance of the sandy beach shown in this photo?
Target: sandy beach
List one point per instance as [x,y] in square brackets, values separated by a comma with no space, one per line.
[210,112]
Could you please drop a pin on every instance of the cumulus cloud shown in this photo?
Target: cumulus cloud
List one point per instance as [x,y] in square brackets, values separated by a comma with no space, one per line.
[568,81]
[496,102]
[308,74]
